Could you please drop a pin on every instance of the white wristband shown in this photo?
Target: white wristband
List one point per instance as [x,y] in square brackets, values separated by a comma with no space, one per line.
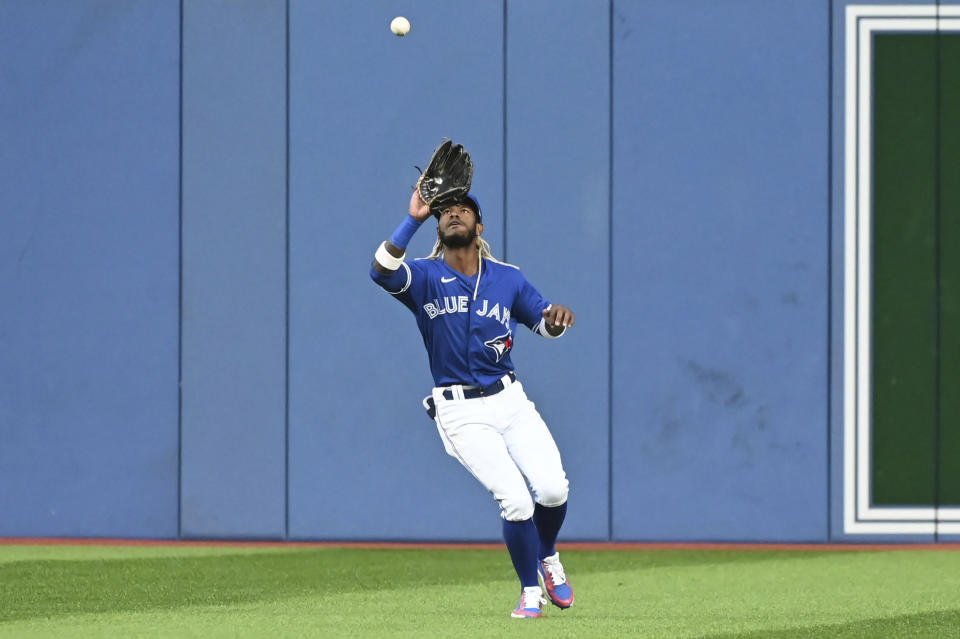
[542,330]
[386,260]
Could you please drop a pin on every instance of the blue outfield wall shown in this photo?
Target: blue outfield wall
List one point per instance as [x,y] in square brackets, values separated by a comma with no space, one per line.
[720,271]
[558,231]
[365,462]
[193,201]
[89,268]
[233,314]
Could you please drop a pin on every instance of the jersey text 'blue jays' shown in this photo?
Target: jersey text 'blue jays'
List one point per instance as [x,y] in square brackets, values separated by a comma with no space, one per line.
[453,309]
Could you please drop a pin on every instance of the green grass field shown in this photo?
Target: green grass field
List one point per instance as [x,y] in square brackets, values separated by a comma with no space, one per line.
[185,591]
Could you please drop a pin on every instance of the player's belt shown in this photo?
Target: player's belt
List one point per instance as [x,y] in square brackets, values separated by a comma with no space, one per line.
[472,392]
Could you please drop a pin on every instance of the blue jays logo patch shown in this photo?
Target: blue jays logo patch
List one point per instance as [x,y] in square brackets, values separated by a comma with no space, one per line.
[501,345]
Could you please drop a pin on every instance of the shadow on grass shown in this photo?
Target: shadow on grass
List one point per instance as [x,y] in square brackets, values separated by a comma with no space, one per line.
[928,625]
[50,588]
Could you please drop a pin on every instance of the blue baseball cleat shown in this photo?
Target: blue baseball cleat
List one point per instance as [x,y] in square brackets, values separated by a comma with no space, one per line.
[531,602]
[555,582]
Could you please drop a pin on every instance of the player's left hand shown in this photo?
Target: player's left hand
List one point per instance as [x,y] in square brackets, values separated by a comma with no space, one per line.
[558,317]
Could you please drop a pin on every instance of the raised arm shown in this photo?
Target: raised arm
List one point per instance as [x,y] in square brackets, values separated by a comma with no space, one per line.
[390,254]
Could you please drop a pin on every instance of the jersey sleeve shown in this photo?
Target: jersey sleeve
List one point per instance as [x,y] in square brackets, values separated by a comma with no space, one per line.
[407,283]
[392,283]
[529,305]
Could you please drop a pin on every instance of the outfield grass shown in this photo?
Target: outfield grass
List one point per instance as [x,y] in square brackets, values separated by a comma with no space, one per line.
[183,591]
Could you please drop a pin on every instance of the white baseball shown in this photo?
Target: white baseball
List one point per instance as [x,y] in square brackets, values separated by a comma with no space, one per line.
[400,26]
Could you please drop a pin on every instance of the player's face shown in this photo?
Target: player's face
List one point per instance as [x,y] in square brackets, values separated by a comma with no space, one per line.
[458,226]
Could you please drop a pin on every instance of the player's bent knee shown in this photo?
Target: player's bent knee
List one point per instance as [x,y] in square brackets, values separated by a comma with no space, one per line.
[553,494]
[517,508]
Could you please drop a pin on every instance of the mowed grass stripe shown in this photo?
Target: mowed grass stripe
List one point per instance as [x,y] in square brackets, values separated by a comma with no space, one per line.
[140,579]
[941,623]
[416,593]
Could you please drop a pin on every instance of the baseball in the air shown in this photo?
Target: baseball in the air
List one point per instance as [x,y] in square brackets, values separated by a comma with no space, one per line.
[400,26]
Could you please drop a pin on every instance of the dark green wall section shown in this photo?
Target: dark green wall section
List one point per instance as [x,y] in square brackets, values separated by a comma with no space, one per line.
[915,348]
[950,270]
[904,286]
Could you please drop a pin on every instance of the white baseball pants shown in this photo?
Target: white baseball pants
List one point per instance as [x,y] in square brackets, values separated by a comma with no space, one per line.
[501,439]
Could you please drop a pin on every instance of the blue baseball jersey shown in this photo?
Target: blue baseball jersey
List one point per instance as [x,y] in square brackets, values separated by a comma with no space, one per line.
[468,339]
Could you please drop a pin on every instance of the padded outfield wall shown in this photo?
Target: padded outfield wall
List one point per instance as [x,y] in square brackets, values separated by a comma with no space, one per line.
[190,346]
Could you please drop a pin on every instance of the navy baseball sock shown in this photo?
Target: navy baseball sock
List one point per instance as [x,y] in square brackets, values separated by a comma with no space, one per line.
[548,520]
[522,542]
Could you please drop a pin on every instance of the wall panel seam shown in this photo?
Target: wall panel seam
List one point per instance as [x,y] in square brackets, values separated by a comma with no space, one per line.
[180,289]
[504,116]
[286,281]
[610,273]
[937,271]
[829,282]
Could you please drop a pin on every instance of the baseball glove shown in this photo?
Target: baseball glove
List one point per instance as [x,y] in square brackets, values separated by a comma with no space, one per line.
[448,176]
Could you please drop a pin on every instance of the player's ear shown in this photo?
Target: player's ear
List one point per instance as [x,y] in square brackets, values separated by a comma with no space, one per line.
[479,228]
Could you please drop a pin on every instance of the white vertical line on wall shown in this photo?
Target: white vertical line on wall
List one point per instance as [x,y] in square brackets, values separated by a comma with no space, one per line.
[864,261]
[865,510]
[849,281]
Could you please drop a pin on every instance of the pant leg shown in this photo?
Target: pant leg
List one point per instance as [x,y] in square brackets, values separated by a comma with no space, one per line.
[471,435]
[533,448]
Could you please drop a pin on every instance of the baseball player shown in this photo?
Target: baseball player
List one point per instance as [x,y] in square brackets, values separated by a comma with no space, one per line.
[468,306]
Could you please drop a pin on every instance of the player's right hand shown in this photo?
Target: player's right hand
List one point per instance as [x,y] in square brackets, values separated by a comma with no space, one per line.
[419,210]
